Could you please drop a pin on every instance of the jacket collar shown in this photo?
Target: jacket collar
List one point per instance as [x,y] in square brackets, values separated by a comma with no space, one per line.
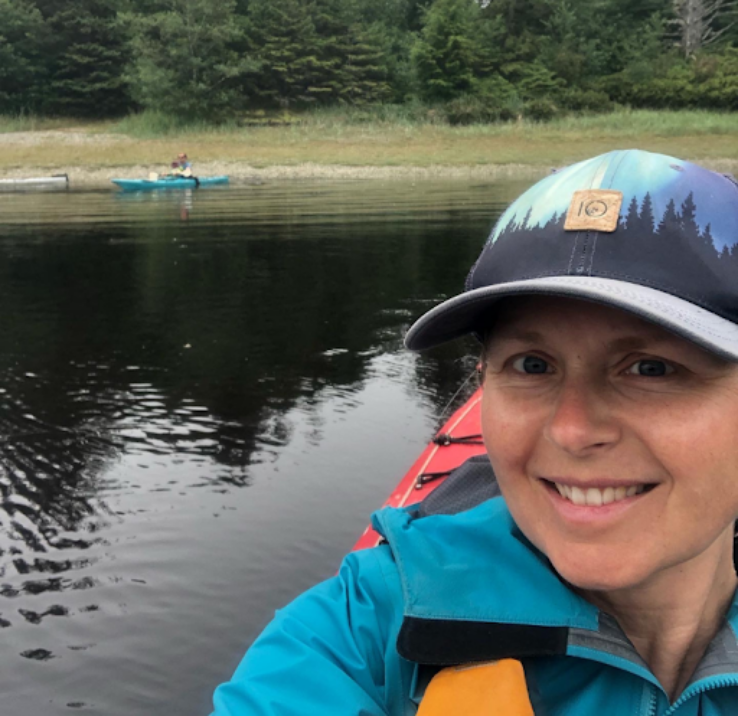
[482,555]
[476,589]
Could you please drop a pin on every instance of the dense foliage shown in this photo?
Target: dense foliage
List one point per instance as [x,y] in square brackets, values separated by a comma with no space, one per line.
[467,60]
[184,58]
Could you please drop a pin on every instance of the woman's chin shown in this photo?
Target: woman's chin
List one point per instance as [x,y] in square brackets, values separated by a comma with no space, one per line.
[600,573]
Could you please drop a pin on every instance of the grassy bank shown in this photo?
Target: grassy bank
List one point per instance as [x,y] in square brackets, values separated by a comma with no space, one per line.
[356,138]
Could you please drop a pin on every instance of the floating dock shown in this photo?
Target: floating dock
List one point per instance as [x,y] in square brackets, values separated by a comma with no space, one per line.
[56,182]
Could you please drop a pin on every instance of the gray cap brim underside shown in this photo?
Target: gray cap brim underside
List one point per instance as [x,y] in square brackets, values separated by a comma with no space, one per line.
[463,314]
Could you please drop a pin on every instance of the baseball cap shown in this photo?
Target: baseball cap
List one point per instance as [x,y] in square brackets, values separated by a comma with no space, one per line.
[648,233]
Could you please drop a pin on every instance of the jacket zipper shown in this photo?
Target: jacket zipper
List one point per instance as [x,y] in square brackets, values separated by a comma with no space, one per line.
[716,682]
[652,700]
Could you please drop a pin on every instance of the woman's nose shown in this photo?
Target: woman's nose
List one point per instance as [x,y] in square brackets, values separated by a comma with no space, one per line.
[581,421]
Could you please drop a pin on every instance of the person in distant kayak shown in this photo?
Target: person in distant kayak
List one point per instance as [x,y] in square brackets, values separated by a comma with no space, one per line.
[182,167]
[602,580]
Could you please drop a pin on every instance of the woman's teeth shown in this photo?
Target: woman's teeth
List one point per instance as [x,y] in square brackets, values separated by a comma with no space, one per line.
[595,497]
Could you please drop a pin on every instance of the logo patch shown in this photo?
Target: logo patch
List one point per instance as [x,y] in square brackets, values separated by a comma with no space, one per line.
[594,210]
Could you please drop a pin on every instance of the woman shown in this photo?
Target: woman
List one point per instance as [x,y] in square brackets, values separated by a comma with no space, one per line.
[602,581]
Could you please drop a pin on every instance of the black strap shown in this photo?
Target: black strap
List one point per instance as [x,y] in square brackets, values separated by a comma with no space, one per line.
[449,642]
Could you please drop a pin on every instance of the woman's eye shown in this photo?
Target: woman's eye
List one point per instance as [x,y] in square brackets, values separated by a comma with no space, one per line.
[650,368]
[530,364]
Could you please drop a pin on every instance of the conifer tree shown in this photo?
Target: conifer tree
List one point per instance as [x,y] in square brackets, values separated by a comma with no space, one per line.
[446,54]
[333,20]
[391,25]
[23,70]
[365,70]
[88,54]
[391,13]
[416,14]
[350,65]
[283,38]
[315,53]
[184,58]
[83,52]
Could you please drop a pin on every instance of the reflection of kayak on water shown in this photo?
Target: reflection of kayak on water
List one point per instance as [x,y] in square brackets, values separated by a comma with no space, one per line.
[456,459]
[176,182]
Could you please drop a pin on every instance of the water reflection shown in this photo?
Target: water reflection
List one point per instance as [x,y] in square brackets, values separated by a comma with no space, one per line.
[153,367]
[167,204]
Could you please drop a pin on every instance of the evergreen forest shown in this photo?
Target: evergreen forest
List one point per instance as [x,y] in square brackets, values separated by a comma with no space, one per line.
[464,61]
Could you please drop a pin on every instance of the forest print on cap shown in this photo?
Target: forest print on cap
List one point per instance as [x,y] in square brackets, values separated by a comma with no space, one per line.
[677,230]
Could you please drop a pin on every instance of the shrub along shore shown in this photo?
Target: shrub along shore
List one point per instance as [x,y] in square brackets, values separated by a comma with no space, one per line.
[355,143]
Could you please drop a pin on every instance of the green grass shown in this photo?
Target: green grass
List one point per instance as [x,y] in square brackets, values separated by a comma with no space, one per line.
[30,123]
[337,122]
[156,125]
[661,123]
[411,116]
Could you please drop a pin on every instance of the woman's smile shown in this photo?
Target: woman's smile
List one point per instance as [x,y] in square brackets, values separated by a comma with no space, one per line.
[591,496]
[587,504]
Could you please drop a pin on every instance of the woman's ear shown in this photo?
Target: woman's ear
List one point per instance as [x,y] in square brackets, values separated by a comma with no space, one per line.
[481,370]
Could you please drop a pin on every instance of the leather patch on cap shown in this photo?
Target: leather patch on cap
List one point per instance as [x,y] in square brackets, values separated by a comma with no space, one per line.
[594,210]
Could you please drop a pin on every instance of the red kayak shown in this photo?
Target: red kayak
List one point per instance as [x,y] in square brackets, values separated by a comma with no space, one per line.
[458,440]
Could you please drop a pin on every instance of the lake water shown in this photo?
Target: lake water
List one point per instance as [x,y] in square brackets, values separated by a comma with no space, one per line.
[203,396]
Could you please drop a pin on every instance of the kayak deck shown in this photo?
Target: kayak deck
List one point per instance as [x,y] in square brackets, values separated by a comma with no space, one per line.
[459,439]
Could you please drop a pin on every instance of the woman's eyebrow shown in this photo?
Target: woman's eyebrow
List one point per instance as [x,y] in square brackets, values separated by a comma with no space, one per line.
[630,343]
[514,334]
[644,342]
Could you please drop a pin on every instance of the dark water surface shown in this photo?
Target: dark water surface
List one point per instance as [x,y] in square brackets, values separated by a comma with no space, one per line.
[202,398]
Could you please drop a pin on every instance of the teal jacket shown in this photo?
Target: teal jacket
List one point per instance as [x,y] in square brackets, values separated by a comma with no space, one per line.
[452,589]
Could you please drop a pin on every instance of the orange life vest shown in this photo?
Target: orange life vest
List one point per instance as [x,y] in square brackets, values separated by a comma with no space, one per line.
[494,688]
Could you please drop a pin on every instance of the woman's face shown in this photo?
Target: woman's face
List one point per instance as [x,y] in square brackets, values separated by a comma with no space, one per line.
[615,443]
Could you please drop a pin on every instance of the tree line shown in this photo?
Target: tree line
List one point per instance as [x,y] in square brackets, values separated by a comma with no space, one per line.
[476,60]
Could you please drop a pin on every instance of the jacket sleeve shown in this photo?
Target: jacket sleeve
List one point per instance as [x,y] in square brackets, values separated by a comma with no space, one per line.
[331,651]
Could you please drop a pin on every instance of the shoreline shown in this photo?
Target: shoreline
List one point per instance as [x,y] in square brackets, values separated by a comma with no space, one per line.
[92,158]
[242,173]
[92,177]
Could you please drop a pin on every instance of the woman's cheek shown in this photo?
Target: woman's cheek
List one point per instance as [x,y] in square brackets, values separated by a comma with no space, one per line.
[507,436]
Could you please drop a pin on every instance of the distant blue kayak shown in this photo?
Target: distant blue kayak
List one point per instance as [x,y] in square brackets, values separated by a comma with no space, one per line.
[168,183]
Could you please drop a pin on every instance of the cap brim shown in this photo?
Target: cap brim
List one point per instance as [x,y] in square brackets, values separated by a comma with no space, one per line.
[467,312]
